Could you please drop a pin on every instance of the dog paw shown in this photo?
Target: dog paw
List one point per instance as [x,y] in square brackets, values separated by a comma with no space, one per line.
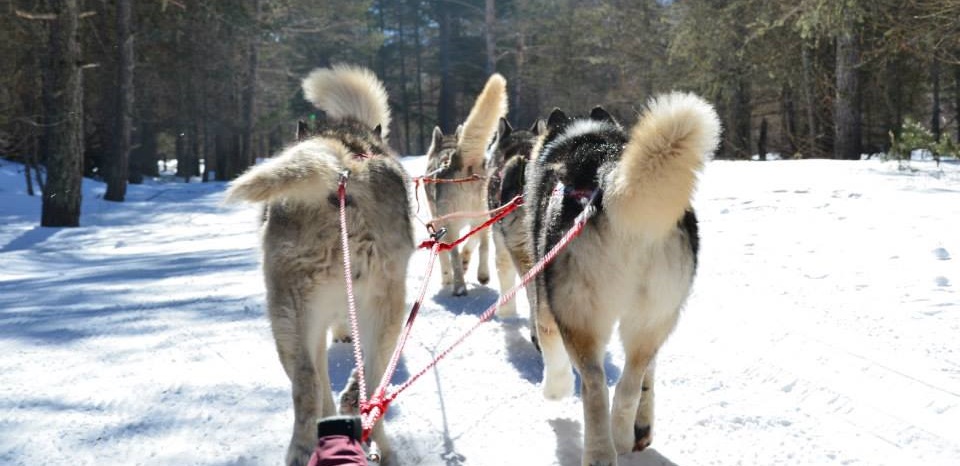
[483,278]
[341,334]
[349,402]
[600,463]
[558,385]
[299,455]
[642,437]
[605,458]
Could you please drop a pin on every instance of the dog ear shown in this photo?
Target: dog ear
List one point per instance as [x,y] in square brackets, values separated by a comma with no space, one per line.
[458,132]
[539,127]
[302,131]
[599,114]
[378,132]
[557,119]
[436,139]
[504,129]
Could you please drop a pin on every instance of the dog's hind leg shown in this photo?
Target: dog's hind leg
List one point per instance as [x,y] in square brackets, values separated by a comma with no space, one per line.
[459,284]
[382,319]
[483,264]
[505,273]
[446,269]
[586,348]
[523,263]
[285,307]
[633,396]
[643,426]
[557,373]
[304,412]
[312,397]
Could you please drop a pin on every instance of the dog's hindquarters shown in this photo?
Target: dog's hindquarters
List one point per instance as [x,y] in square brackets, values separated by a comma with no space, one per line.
[302,255]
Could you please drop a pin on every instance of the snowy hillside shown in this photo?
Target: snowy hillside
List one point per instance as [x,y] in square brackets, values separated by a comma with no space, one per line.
[823,330]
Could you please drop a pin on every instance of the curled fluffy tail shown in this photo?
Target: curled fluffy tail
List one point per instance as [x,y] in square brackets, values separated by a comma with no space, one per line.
[651,187]
[482,122]
[304,172]
[345,91]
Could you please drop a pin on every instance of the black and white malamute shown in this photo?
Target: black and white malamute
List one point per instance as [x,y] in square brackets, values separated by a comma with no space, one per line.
[633,263]
[506,167]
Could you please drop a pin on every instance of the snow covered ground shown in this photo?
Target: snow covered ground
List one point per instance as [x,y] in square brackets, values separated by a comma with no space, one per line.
[823,330]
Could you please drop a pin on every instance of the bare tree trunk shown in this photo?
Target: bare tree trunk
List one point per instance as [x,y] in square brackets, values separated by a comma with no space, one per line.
[26,174]
[221,155]
[809,96]
[30,154]
[846,120]
[382,52]
[208,152]
[61,198]
[250,92]
[120,154]
[404,96]
[518,97]
[762,141]
[422,148]
[893,98]
[490,23]
[183,160]
[740,115]
[447,111]
[147,160]
[956,98]
[935,111]
[789,117]
[196,146]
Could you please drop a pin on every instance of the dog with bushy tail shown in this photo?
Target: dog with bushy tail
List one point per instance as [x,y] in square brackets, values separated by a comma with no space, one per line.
[633,263]
[461,156]
[303,260]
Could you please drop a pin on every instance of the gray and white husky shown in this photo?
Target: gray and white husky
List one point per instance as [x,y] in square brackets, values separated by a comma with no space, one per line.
[460,156]
[302,257]
[633,263]
[506,165]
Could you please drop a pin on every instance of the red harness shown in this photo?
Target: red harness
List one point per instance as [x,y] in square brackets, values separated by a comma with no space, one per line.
[373,409]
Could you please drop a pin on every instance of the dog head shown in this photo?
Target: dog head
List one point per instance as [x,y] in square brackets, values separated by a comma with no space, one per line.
[509,143]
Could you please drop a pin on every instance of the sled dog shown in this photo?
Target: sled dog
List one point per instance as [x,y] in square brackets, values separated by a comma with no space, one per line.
[302,256]
[460,156]
[633,263]
[506,165]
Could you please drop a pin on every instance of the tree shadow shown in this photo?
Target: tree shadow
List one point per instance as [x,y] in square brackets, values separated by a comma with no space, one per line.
[29,239]
[76,310]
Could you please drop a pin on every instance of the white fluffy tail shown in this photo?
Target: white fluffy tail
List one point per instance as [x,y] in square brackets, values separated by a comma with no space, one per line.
[305,172]
[482,122]
[652,186]
[345,91]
